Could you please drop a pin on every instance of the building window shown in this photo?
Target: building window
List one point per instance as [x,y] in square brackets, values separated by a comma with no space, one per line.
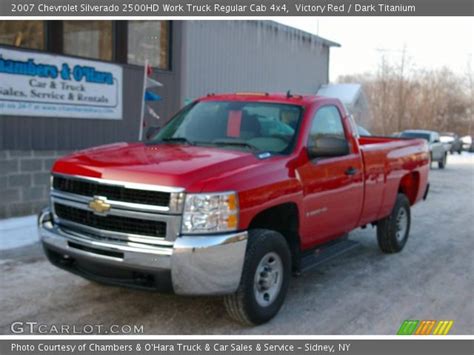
[90,39]
[26,34]
[149,40]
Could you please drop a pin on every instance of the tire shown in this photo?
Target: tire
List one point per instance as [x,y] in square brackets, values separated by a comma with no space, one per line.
[442,163]
[248,305]
[393,231]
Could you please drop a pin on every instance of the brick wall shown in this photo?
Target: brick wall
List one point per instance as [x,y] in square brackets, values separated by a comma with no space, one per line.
[24,180]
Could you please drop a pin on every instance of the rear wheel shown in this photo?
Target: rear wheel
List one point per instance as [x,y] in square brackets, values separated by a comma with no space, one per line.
[265,279]
[393,230]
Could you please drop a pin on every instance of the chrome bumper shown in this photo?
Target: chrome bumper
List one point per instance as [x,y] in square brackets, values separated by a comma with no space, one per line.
[199,265]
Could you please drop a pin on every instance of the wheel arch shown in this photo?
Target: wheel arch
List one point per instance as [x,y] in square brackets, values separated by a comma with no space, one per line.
[410,185]
[282,218]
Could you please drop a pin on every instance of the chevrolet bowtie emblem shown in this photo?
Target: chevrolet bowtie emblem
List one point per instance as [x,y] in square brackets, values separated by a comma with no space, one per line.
[99,205]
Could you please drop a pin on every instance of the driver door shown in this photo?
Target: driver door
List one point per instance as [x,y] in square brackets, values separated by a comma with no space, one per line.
[333,186]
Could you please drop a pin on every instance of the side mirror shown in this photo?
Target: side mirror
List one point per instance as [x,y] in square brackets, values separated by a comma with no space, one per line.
[151,132]
[324,147]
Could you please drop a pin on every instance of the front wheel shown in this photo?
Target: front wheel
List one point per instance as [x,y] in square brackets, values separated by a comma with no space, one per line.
[393,230]
[265,279]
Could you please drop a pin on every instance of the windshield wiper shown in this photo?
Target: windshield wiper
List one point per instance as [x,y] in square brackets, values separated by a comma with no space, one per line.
[178,140]
[236,143]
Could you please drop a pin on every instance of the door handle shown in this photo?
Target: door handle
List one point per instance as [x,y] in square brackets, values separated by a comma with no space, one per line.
[351,171]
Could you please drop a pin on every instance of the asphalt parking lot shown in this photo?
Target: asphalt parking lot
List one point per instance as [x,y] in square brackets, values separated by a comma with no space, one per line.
[362,292]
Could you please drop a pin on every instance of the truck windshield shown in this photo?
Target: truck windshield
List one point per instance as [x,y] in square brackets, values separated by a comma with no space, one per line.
[243,125]
[421,135]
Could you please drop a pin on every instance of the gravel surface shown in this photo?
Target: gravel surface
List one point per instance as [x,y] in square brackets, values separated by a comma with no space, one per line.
[361,292]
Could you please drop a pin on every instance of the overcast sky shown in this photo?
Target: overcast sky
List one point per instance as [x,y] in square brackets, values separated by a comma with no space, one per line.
[431,42]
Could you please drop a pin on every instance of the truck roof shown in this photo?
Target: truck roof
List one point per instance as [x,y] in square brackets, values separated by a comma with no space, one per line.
[277,97]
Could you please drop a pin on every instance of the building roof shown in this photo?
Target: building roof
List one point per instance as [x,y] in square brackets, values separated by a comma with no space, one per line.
[297,32]
[347,93]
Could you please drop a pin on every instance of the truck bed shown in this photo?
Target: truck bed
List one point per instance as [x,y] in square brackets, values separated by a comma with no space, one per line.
[387,160]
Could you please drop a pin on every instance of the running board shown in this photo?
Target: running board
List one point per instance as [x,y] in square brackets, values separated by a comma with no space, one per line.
[326,252]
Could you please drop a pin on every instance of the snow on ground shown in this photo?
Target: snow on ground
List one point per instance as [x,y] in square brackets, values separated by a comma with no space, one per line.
[17,232]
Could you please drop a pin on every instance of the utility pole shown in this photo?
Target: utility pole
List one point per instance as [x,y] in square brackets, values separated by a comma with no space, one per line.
[401,95]
[401,91]
[471,93]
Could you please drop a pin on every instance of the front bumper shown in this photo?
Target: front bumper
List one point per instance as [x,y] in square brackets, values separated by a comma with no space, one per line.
[193,265]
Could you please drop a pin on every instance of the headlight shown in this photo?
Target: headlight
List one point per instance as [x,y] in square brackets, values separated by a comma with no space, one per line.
[204,213]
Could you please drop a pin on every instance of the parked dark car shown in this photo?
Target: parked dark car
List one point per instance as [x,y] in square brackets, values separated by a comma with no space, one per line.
[451,141]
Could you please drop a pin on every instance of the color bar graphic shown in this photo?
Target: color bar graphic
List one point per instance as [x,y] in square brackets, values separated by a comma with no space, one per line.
[425,327]
[443,327]
[408,327]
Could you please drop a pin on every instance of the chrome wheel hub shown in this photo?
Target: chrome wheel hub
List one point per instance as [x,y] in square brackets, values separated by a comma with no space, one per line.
[402,224]
[268,279]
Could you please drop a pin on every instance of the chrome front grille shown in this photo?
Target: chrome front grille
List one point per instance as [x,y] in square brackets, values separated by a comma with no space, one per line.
[116,210]
[112,192]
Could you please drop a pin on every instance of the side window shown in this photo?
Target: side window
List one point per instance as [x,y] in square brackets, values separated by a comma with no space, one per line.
[326,123]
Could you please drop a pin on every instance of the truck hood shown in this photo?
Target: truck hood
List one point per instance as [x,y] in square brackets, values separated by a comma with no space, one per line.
[189,167]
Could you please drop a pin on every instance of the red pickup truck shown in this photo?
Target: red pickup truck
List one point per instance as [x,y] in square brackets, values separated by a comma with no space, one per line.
[233,196]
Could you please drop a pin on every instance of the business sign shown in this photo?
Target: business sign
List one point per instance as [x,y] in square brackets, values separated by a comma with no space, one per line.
[40,84]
